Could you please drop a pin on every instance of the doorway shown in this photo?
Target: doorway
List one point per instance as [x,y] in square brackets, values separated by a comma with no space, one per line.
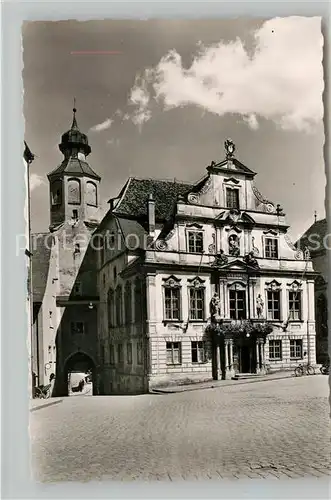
[247,356]
[80,375]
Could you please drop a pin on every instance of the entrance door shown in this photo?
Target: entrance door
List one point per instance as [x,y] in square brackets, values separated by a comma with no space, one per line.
[247,358]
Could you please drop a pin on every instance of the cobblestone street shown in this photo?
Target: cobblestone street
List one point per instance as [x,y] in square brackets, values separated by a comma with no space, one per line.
[274,429]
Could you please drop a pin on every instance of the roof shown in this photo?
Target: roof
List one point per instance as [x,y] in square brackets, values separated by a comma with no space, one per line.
[314,236]
[232,165]
[41,251]
[74,166]
[135,235]
[134,196]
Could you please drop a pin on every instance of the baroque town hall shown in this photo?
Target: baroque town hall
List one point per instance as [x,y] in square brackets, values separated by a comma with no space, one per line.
[179,282]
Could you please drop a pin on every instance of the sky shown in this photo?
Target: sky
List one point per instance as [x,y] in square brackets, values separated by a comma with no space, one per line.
[158,98]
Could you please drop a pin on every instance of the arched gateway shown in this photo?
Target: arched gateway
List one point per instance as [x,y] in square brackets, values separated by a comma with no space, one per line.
[78,362]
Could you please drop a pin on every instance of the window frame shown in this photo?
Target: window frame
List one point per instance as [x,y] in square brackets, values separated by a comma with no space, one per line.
[298,300]
[96,194]
[79,191]
[192,232]
[170,348]
[232,189]
[237,288]
[120,357]
[129,353]
[200,346]
[172,284]
[265,246]
[297,343]
[273,347]
[140,354]
[196,285]
[269,317]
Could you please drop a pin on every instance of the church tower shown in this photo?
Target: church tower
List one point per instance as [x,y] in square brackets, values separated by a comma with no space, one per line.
[74,186]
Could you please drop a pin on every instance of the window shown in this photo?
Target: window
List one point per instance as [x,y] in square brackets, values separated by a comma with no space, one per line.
[172,303]
[275,350]
[138,300]
[77,248]
[75,214]
[77,328]
[198,352]
[271,248]
[110,307]
[91,194]
[119,353]
[237,304]
[73,192]
[173,353]
[232,198]
[197,303]
[273,304]
[77,289]
[129,354]
[118,304]
[296,349]
[56,193]
[139,353]
[195,241]
[294,304]
[128,303]
[111,354]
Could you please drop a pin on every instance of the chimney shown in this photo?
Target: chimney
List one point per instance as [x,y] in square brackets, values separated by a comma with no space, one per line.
[151,215]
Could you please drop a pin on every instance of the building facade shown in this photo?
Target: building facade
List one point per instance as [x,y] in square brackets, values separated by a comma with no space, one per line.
[316,239]
[198,281]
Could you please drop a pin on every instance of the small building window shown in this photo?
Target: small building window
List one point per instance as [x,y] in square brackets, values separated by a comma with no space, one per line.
[273,297]
[119,353]
[198,352]
[271,248]
[77,248]
[296,349]
[77,328]
[197,303]
[110,307]
[118,303]
[174,355]
[139,353]
[294,304]
[237,300]
[172,303]
[232,198]
[129,354]
[75,214]
[77,289]
[128,303]
[195,241]
[275,350]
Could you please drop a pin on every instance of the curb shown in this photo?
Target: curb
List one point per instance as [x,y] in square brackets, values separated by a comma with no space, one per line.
[213,386]
[46,405]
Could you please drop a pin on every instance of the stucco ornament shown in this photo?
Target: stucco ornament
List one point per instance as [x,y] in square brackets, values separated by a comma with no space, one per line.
[250,260]
[161,245]
[215,306]
[220,259]
[234,245]
[193,198]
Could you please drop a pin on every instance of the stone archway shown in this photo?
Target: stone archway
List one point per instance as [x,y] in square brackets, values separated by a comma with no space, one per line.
[79,362]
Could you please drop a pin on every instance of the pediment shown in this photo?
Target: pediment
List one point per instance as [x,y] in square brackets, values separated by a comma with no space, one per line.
[231,180]
[271,232]
[273,285]
[235,265]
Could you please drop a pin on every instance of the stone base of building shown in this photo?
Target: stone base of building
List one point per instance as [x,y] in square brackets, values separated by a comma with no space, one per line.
[166,380]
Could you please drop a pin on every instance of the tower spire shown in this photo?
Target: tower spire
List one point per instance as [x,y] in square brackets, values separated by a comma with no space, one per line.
[74,125]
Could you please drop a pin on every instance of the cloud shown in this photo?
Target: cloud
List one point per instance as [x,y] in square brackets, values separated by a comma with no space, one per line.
[281,79]
[102,126]
[36,181]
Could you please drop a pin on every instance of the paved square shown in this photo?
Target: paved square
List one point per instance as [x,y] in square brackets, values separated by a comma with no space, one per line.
[277,429]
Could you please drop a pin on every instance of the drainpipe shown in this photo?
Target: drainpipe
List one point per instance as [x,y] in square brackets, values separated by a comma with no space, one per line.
[151,215]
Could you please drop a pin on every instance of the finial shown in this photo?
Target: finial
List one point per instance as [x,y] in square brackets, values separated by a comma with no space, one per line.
[229,148]
[315,216]
[74,122]
[74,110]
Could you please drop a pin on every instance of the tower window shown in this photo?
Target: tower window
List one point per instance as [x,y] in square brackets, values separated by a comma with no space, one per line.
[91,194]
[74,192]
[75,214]
[56,193]
[232,198]
[77,248]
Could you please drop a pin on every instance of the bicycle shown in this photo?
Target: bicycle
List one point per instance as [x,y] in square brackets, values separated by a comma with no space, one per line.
[304,369]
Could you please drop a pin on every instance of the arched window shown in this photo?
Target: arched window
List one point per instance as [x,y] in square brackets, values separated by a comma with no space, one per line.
[322,315]
[128,303]
[91,194]
[74,192]
[56,191]
[110,307]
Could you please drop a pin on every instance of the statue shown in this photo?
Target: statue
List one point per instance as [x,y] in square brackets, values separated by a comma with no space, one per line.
[229,148]
[220,259]
[250,260]
[214,306]
[259,305]
[234,245]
